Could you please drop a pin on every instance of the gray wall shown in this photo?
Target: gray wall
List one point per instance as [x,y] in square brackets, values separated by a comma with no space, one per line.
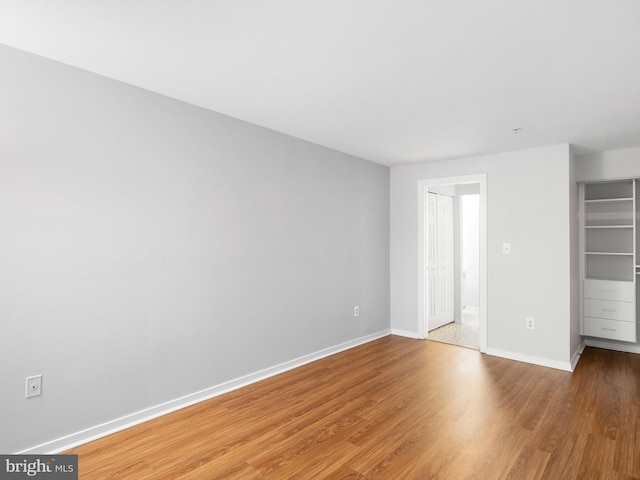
[151,248]
[528,206]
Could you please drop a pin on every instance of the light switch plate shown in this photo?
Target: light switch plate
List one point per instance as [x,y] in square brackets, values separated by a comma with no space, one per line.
[506,249]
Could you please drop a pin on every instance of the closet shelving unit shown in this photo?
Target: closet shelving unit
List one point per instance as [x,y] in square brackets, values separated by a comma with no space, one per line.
[610,269]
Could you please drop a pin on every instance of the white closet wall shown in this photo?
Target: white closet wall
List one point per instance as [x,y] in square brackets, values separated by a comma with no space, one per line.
[469,254]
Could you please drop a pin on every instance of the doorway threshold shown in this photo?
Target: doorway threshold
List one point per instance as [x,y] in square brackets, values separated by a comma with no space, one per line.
[461,334]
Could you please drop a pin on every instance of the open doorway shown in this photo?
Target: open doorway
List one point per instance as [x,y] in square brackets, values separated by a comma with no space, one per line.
[452,257]
[453,264]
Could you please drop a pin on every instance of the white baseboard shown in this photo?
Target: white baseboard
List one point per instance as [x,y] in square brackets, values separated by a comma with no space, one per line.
[582,346]
[404,333]
[576,355]
[543,362]
[619,347]
[92,433]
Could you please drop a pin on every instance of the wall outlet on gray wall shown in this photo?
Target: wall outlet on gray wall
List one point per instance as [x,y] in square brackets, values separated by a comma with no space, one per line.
[34,386]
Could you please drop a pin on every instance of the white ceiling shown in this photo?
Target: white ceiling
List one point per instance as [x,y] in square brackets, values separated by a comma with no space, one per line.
[392,81]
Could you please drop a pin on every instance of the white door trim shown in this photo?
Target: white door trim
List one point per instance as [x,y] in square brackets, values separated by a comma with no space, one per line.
[423,187]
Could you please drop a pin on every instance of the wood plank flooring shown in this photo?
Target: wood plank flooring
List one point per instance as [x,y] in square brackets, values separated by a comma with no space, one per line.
[397,408]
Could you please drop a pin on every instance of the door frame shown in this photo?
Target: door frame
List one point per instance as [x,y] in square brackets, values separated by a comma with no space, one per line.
[423,188]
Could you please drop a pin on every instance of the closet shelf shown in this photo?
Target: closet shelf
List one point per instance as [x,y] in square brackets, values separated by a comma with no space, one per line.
[630,254]
[608,226]
[604,200]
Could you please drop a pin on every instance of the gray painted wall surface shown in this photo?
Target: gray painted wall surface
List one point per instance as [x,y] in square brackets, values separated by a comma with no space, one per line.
[151,248]
[528,206]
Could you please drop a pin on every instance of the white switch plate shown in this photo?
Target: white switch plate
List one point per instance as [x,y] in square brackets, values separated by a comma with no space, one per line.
[506,249]
[34,386]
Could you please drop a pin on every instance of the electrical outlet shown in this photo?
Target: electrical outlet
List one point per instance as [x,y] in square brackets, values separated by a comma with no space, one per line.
[356,311]
[34,386]
[531,323]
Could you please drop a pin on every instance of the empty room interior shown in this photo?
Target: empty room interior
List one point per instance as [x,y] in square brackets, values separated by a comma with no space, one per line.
[359,239]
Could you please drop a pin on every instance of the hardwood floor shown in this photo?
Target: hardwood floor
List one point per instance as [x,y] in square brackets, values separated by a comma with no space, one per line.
[394,409]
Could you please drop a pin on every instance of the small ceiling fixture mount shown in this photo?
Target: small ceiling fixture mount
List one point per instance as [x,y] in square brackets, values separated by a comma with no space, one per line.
[516,130]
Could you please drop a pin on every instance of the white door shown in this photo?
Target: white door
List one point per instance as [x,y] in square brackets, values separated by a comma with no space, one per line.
[432,258]
[440,261]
